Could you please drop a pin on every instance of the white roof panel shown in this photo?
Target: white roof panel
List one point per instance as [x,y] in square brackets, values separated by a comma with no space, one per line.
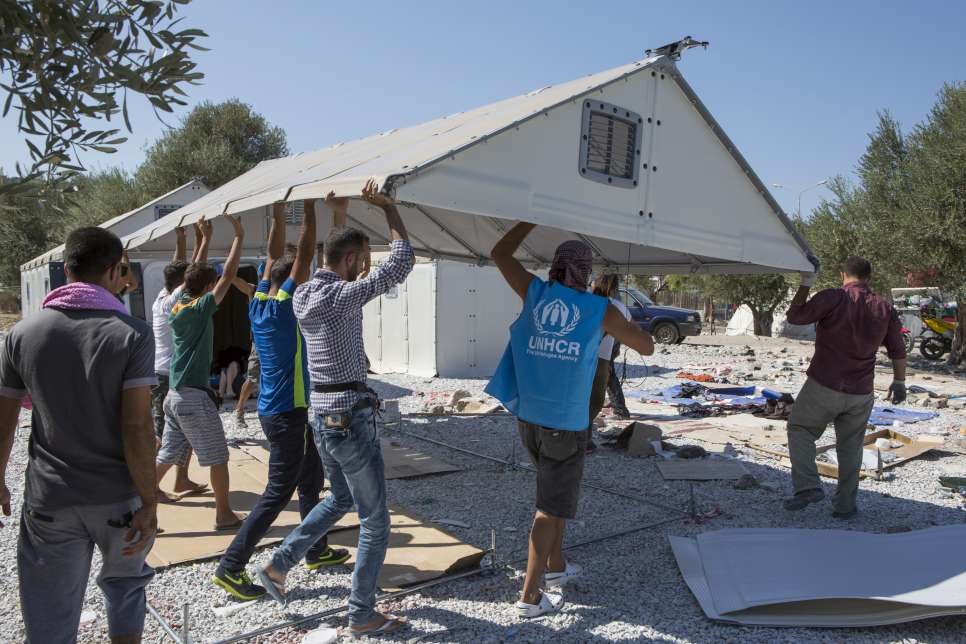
[463,178]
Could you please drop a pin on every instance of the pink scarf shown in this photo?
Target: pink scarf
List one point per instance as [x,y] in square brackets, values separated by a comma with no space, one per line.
[83,296]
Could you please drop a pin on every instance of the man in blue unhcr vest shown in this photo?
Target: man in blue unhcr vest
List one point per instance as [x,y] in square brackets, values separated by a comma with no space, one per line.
[545,379]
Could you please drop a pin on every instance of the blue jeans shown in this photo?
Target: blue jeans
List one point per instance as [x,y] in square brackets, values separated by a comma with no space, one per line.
[54,560]
[352,458]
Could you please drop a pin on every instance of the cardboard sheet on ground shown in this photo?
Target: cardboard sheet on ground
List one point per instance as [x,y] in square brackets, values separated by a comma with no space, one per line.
[701,469]
[418,551]
[739,428]
[746,576]
[188,525]
[401,462]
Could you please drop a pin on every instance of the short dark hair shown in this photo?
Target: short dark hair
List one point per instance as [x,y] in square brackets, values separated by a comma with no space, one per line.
[198,277]
[857,267]
[342,242]
[281,269]
[174,274]
[90,252]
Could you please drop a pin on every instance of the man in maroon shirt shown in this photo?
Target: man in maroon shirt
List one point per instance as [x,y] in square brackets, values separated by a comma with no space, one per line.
[852,323]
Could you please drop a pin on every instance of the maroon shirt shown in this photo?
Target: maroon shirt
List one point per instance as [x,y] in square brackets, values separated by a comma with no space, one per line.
[852,323]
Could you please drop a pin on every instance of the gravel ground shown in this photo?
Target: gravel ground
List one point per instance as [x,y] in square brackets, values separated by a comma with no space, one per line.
[631,589]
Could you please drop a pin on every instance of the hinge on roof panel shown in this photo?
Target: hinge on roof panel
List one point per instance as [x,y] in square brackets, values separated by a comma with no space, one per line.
[675,49]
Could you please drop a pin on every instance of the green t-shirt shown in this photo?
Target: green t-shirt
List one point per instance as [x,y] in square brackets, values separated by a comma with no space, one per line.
[192,335]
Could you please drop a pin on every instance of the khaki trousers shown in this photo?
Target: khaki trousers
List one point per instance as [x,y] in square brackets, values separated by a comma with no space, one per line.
[815,408]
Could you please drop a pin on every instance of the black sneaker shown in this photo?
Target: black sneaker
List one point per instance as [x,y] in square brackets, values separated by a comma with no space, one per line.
[238,585]
[802,500]
[328,557]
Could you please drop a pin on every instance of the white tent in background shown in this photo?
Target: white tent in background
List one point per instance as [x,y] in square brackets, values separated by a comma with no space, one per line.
[629,160]
[742,322]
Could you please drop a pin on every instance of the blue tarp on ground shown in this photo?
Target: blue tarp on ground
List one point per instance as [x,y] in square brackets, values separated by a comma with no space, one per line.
[888,415]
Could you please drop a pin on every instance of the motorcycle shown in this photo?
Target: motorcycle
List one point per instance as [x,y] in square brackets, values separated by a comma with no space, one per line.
[908,339]
[937,337]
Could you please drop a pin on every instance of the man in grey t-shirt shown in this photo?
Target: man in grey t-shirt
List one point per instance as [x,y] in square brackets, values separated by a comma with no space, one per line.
[88,367]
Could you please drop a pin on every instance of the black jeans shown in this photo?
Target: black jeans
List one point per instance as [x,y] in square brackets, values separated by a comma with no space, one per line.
[293,463]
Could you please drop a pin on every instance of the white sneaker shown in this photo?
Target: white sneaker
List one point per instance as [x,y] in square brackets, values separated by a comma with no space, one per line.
[561,579]
[548,604]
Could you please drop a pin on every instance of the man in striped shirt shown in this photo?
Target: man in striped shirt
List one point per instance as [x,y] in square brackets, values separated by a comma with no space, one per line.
[329,311]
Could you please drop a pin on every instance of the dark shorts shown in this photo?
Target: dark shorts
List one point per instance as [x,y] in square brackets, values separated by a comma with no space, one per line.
[559,457]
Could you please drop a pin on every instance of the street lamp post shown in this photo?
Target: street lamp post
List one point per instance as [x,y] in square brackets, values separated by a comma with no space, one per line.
[803,191]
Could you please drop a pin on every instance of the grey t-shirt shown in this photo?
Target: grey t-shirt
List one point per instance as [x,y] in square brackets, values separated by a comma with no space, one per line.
[74,364]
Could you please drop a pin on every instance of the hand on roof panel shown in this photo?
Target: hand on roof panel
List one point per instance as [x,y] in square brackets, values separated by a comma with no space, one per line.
[370,192]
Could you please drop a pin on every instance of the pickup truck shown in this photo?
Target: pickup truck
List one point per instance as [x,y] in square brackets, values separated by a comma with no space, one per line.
[667,324]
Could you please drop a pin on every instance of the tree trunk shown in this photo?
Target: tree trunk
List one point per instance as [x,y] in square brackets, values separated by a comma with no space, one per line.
[958,352]
[763,321]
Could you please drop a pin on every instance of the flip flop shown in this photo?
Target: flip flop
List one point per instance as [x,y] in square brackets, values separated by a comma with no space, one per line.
[230,526]
[392,624]
[199,488]
[275,589]
[168,497]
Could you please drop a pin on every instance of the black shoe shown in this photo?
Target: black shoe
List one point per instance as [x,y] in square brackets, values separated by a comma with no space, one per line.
[845,516]
[803,499]
[328,557]
[238,585]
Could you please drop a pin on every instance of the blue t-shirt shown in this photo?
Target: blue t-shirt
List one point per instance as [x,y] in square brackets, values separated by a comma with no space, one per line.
[284,381]
[548,368]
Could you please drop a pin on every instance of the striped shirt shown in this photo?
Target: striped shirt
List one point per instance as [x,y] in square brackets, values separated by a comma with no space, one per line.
[329,312]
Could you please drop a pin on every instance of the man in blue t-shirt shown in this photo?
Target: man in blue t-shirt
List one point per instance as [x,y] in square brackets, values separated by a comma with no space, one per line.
[283,402]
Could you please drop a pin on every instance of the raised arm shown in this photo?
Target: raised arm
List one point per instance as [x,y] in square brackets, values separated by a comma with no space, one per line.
[231,263]
[302,267]
[206,228]
[199,239]
[244,287]
[180,245]
[276,239]
[627,332]
[370,192]
[512,270]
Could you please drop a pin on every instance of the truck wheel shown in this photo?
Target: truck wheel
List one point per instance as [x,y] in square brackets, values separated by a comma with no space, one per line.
[666,333]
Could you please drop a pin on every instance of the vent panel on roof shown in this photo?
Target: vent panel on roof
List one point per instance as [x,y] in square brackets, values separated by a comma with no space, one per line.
[610,143]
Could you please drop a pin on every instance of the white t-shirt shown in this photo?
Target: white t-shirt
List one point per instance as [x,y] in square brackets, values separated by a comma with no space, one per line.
[607,344]
[163,345]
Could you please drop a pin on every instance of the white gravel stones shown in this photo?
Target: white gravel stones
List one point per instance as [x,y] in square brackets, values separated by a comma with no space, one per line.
[630,589]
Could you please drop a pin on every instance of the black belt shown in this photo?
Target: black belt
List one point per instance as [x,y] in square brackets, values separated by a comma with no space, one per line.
[338,387]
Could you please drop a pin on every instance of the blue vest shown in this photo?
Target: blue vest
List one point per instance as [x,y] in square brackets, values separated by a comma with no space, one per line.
[548,368]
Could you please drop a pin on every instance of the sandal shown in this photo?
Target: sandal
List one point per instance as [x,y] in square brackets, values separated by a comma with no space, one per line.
[229,526]
[391,624]
[274,588]
[199,488]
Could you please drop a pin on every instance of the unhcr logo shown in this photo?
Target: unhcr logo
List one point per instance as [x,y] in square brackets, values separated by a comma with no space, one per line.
[557,319]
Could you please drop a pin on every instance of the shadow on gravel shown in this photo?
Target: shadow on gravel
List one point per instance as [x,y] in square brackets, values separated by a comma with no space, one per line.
[387,391]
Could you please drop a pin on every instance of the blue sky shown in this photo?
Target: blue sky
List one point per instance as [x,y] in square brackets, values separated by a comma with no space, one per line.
[795,84]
